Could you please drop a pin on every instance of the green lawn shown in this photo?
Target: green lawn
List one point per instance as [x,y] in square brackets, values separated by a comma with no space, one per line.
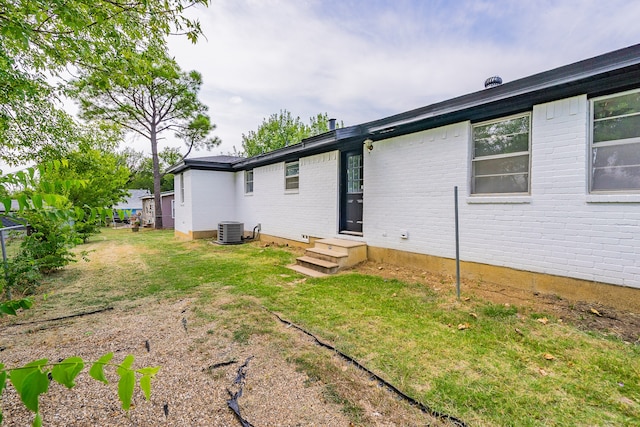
[487,364]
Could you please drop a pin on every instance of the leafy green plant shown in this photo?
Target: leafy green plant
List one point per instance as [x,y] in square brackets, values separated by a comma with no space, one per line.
[33,379]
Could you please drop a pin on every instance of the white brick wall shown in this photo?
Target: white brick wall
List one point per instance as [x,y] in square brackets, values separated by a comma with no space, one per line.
[310,211]
[556,230]
[408,187]
[209,199]
[183,208]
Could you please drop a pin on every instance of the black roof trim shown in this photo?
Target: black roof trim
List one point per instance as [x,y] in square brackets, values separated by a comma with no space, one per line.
[215,163]
[612,72]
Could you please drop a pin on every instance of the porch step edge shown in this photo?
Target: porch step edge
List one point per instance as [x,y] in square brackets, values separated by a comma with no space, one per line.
[306,271]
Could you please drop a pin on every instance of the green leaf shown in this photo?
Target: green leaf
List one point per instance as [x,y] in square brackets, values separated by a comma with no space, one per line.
[22,202]
[66,371]
[145,385]
[6,201]
[127,382]
[37,421]
[145,381]
[3,379]
[7,308]
[97,369]
[79,213]
[33,385]
[18,375]
[148,371]
[37,201]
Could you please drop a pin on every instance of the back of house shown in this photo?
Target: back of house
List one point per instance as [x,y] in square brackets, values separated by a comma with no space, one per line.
[547,170]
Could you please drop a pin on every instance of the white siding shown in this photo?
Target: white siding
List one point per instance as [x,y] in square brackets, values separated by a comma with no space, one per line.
[310,211]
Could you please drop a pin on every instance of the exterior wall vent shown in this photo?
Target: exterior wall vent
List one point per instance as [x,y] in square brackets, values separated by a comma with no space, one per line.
[230,232]
[492,82]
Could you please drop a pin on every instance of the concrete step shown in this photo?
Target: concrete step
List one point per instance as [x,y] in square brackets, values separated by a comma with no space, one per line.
[306,271]
[338,245]
[336,257]
[317,264]
[356,251]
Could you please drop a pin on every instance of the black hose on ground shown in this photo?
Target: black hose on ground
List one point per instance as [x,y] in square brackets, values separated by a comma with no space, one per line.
[424,408]
[233,401]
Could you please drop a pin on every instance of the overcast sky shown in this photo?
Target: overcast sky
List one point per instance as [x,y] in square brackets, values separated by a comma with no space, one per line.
[361,60]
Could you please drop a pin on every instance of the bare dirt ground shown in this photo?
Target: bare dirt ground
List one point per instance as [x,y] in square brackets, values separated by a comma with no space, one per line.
[200,360]
[190,389]
[586,316]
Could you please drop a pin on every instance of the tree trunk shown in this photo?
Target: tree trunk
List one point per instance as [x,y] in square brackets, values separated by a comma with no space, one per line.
[157,199]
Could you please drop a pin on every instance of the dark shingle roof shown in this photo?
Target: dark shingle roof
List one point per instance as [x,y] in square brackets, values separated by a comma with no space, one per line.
[6,221]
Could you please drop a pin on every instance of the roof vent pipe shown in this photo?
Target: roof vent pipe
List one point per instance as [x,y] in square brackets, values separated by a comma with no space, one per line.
[332,124]
[492,82]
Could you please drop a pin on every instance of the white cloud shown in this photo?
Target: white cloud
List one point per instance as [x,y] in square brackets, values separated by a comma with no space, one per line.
[361,60]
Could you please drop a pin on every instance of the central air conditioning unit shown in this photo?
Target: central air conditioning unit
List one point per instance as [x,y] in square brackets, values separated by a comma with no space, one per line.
[230,232]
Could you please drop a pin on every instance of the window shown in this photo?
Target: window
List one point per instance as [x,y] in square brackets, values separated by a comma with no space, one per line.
[615,142]
[292,175]
[173,209]
[501,156]
[181,188]
[354,174]
[248,181]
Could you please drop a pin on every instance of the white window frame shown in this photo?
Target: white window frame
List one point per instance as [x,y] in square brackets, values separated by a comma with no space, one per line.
[475,160]
[248,181]
[593,146]
[173,208]
[291,178]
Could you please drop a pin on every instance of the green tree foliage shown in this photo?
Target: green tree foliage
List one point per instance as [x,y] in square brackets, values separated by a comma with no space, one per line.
[46,249]
[44,206]
[141,168]
[94,162]
[281,130]
[33,379]
[151,95]
[40,39]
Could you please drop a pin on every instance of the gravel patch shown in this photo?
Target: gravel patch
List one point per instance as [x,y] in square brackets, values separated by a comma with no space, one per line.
[199,362]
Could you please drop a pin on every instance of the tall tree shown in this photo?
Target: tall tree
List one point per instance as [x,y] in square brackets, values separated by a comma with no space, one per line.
[40,39]
[150,96]
[93,161]
[281,130]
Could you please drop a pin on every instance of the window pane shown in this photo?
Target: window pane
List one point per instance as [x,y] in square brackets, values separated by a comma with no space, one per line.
[617,106]
[616,167]
[616,155]
[292,169]
[291,183]
[617,178]
[499,144]
[354,174]
[501,184]
[504,165]
[614,129]
[508,136]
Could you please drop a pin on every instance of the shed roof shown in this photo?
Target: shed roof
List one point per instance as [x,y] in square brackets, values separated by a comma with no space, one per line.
[133,201]
[162,194]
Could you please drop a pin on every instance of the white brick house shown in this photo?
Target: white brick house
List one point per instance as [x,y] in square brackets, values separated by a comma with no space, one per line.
[547,168]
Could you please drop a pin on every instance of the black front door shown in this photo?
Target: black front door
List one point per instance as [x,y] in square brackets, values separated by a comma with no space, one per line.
[351,200]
